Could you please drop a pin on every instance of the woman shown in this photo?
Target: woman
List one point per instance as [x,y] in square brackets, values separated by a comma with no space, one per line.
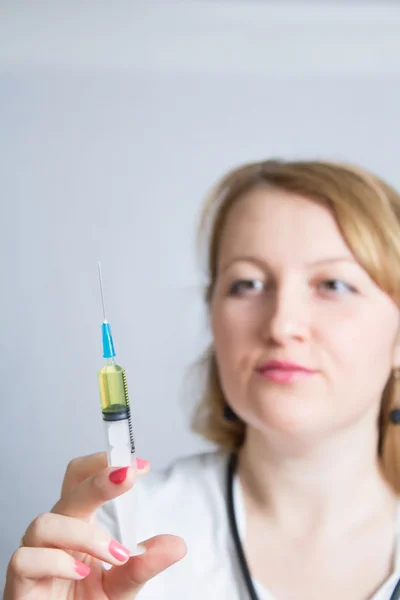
[301,399]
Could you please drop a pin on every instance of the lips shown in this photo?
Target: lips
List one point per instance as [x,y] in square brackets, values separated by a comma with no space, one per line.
[284,372]
[288,366]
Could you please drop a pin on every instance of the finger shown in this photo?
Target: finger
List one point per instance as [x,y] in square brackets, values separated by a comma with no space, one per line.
[58,531]
[162,551]
[95,491]
[83,467]
[83,500]
[37,563]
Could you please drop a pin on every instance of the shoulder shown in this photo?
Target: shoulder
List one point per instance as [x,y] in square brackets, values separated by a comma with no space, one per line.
[196,470]
[195,484]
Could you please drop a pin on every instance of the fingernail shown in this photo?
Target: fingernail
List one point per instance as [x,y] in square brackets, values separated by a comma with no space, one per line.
[82,569]
[141,463]
[118,551]
[119,475]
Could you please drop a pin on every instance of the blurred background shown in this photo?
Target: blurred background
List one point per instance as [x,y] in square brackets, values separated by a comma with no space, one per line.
[116,118]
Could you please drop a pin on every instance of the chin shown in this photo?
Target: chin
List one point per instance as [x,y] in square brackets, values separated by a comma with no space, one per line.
[287,415]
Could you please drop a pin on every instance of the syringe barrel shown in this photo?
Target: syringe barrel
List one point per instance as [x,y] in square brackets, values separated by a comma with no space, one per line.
[119,450]
[119,455]
[114,397]
[120,447]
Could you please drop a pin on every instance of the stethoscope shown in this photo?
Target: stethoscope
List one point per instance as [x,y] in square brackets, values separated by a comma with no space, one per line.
[235,534]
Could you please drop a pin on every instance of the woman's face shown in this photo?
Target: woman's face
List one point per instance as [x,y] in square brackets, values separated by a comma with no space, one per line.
[288,289]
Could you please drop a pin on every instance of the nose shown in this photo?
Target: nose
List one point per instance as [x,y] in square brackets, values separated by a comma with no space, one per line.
[287,315]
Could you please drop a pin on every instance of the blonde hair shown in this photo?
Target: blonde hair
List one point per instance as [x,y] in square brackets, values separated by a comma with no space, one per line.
[367,211]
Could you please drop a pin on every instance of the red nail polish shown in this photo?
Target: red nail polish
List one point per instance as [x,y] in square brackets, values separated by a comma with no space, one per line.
[141,463]
[118,551]
[119,475]
[82,569]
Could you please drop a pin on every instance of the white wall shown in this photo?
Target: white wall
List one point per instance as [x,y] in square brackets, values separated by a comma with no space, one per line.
[114,122]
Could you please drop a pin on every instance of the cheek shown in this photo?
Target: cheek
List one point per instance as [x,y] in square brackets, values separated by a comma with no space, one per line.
[235,328]
[235,334]
[361,342]
[226,338]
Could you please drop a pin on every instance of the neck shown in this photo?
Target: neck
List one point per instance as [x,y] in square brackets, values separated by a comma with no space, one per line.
[327,486]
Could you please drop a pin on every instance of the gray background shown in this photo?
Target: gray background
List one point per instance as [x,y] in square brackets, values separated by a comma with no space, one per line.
[115,120]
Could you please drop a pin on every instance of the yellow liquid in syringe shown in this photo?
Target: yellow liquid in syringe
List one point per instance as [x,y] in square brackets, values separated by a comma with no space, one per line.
[114,396]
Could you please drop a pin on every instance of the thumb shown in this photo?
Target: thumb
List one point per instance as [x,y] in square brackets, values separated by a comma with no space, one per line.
[162,551]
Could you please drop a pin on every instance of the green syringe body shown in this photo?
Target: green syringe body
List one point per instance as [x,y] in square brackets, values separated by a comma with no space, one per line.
[114,399]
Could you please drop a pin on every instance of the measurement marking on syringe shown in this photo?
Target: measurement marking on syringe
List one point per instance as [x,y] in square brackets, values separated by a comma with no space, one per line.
[129,412]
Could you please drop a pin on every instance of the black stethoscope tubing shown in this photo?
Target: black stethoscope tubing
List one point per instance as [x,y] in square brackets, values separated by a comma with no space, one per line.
[236,538]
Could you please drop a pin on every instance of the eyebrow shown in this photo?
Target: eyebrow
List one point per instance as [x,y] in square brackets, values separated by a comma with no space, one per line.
[261,263]
[348,259]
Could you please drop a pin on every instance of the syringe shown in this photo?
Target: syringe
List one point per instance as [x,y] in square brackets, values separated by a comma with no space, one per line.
[119,433]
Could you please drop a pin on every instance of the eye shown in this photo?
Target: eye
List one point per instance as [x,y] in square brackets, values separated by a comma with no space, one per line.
[243,286]
[337,287]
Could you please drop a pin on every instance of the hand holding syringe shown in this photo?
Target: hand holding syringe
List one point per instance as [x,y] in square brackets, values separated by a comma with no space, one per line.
[62,552]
